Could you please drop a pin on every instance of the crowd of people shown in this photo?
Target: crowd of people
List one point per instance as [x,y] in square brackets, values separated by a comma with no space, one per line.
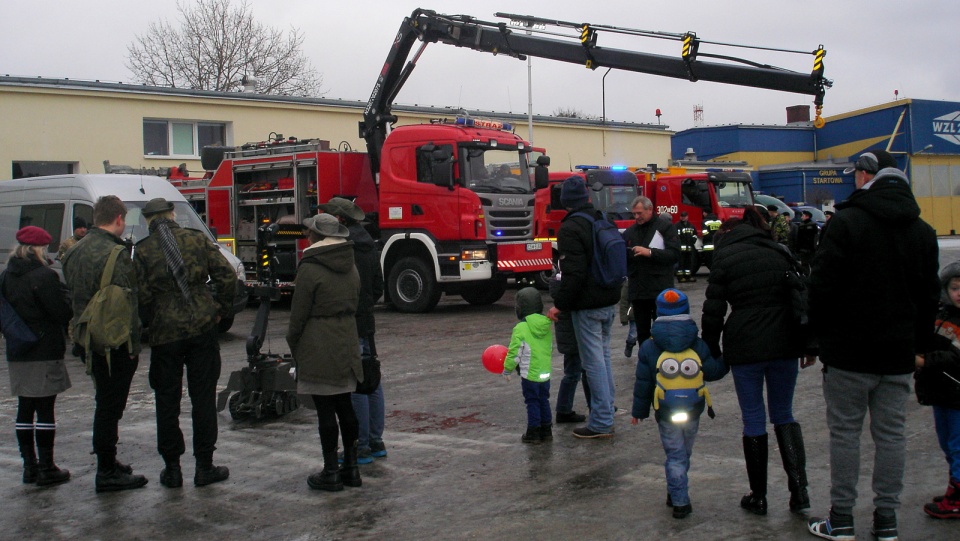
[177,284]
[774,304]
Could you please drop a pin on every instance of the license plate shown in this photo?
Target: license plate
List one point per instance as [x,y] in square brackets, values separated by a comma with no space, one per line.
[534,246]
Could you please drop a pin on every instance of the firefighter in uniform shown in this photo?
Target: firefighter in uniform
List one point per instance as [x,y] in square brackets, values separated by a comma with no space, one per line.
[688,244]
[711,224]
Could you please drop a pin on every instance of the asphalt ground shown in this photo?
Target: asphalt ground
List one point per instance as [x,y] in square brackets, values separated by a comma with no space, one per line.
[456,468]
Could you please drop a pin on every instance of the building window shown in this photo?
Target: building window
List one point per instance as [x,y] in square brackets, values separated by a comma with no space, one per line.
[180,138]
[39,169]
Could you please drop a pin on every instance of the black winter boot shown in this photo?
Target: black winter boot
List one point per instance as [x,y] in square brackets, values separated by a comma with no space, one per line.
[755,453]
[49,474]
[113,476]
[546,432]
[349,471]
[28,452]
[790,440]
[171,476]
[329,478]
[532,435]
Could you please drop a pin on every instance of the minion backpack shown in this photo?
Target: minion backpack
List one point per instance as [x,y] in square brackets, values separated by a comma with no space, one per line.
[680,385]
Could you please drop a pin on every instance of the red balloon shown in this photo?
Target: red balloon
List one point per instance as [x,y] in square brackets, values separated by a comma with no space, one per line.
[493,358]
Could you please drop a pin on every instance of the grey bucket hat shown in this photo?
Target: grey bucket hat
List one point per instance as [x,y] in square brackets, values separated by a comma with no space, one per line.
[326,225]
[338,206]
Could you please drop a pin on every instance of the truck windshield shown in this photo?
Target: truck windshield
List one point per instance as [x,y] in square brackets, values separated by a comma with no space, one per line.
[733,194]
[491,170]
[137,224]
[614,201]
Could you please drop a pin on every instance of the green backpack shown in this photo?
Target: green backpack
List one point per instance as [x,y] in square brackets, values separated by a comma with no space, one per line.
[105,323]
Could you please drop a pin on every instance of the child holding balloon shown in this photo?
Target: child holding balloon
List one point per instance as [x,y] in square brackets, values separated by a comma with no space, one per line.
[529,352]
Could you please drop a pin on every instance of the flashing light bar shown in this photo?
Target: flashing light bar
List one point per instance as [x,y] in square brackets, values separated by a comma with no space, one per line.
[483,123]
[602,167]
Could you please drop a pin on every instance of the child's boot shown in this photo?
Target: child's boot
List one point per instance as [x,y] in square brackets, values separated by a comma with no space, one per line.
[546,432]
[755,453]
[946,506]
[532,435]
[953,491]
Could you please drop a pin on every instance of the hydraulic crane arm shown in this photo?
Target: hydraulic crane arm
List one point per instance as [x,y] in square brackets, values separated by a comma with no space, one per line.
[500,38]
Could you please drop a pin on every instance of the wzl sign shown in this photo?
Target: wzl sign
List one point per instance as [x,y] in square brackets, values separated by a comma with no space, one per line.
[948,127]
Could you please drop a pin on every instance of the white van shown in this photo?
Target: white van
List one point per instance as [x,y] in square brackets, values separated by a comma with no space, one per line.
[53,202]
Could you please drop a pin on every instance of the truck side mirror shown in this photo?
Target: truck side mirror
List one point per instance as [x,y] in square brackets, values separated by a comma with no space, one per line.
[541,176]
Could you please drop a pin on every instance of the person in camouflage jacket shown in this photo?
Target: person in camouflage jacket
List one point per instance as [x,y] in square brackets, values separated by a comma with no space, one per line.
[82,269]
[173,265]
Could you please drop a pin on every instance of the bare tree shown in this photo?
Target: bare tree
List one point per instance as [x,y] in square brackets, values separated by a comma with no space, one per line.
[570,112]
[215,44]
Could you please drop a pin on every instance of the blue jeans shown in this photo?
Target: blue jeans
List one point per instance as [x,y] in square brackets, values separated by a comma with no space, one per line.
[781,379]
[947,421]
[677,440]
[369,408]
[536,394]
[593,329]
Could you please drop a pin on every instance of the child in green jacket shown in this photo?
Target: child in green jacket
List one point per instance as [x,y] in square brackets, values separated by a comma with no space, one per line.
[529,352]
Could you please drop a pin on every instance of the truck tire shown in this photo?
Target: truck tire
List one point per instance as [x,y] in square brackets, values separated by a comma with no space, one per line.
[483,293]
[413,288]
[541,280]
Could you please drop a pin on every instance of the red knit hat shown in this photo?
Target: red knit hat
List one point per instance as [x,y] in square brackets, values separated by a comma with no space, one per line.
[33,236]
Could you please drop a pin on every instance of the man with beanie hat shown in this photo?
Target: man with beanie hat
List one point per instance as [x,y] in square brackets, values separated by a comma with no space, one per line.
[653,249]
[79,231]
[590,305]
[876,250]
[671,369]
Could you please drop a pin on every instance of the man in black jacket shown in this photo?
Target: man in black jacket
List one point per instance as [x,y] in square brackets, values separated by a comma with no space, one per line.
[652,251]
[591,305]
[873,301]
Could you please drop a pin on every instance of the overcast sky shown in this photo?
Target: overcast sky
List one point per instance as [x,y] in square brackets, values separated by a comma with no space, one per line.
[874,48]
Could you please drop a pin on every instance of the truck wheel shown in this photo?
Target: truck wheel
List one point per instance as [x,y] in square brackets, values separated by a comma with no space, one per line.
[484,293]
[413,288]
[541,280]
[225,324]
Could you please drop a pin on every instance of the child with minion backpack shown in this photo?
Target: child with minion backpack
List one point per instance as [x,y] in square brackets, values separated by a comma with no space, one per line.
[529,352]
[672,367]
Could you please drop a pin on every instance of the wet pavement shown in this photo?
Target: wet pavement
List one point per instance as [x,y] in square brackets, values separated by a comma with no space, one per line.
[456,468]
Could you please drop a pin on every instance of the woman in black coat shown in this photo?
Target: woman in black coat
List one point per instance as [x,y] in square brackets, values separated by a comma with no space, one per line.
[762,344]
[37,374]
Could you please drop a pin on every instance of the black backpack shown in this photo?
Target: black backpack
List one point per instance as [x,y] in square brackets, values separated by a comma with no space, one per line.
[20,338]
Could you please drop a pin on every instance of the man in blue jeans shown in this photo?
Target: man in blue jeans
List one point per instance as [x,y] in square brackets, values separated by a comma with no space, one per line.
[591,306]
[873,302]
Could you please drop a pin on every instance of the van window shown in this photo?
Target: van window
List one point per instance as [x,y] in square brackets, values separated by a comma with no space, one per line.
[48,216]
[85,212]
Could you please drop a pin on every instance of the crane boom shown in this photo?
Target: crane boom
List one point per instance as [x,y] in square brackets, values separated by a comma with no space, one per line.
[500,38]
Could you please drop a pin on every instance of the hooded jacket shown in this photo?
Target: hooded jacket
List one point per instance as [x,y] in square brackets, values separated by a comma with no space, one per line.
[323,329]
[938,382]
[37,295]
[874,285]
[578,290]
[531,344]
[748,273]
[670,333]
